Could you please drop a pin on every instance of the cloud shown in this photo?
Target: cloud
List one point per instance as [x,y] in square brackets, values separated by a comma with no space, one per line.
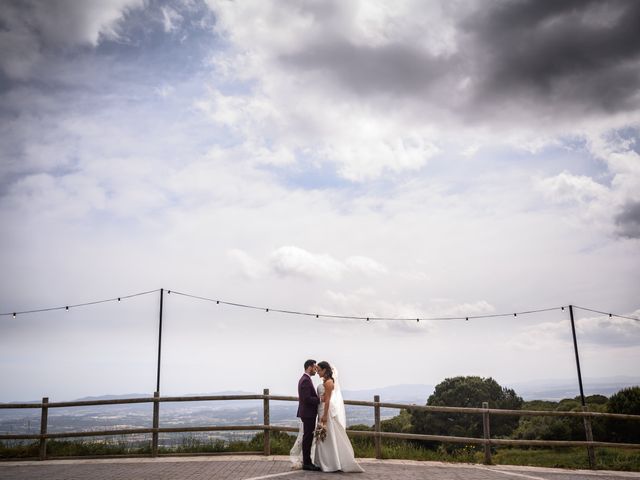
[481,307]
[223,163]
[391,69]
[591,331]
[612,331]
[572,188]
[370,302]
[560,58]
[290,260]
[34,28]
[628,220]
[383,91]
[569,56]
[249,267]
[366,265]
[171,19]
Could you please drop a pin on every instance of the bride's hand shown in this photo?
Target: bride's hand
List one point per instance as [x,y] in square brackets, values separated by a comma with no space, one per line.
[323,420]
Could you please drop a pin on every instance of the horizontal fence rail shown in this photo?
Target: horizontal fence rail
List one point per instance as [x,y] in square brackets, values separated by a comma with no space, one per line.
[266,427]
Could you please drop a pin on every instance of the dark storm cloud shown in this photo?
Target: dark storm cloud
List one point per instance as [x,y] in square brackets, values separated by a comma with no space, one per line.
[577,53]
[628,220]
[565,57]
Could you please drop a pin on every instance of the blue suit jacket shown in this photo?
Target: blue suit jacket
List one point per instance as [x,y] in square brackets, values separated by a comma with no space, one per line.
[308,400]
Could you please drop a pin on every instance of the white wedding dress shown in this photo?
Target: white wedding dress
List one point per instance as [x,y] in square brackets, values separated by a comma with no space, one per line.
[335,452]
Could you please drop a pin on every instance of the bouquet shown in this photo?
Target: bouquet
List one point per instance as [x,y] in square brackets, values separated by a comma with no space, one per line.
[320,432]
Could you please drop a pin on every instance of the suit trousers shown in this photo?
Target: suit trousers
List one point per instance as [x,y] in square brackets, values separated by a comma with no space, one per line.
[309,425]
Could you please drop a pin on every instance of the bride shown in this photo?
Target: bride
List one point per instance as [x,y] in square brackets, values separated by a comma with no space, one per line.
[334,452]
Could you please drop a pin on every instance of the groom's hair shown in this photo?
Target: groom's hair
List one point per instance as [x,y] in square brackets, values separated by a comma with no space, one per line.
[309,363]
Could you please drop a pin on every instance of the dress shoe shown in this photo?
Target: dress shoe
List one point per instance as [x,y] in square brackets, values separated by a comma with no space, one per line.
[311,467]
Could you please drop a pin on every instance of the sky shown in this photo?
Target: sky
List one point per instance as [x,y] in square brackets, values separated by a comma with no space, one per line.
[388,159]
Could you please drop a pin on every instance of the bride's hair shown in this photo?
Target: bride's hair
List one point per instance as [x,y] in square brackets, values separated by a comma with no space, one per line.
[328,371]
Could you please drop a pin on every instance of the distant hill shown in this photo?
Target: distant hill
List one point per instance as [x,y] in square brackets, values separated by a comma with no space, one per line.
[405,393]
[569,388]
[549,389]
[544,389]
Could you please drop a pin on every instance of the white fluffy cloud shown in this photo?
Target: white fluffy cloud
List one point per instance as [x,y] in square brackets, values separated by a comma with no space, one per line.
[294,261]
[572,188]
[290,260]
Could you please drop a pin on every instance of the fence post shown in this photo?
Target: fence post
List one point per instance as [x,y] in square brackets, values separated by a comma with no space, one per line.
[486,429]
[267,432]
[156,424]
[589,435]
[44,419]
[376,416]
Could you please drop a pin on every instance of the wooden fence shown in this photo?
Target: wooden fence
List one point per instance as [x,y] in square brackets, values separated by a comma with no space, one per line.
[266,427]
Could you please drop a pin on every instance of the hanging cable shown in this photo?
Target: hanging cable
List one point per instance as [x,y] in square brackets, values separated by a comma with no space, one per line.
[606,313]
[317,315]
[353,317]
[67,307]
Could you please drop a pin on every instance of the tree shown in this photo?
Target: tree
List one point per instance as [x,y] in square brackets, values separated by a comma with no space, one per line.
[467,392]
[625,401]
[561,428]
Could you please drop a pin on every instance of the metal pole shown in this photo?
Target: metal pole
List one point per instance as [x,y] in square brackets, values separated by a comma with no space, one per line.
[587,421]
[575,347]
[160,340]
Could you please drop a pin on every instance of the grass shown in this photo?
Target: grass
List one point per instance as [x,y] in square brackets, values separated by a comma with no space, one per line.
[576,458]
[72,448]
[281,443]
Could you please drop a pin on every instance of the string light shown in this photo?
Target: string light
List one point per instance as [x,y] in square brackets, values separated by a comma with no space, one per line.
[606,313]
[67,307]
[318,315]
[354,317]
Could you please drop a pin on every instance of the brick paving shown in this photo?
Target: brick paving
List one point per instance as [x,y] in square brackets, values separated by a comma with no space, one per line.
[267,468]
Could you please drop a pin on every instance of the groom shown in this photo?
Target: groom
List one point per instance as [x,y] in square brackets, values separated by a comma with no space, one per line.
[307,412]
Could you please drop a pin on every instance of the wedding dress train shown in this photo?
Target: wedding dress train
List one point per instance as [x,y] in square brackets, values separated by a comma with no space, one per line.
[335,452]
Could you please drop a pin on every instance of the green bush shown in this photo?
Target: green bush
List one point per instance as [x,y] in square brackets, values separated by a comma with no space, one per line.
[626,401]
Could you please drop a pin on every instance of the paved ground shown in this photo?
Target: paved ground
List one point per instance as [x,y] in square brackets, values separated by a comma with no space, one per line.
[258,468]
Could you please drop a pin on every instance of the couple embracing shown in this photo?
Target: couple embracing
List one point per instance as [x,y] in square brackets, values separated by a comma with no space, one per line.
[330,450]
